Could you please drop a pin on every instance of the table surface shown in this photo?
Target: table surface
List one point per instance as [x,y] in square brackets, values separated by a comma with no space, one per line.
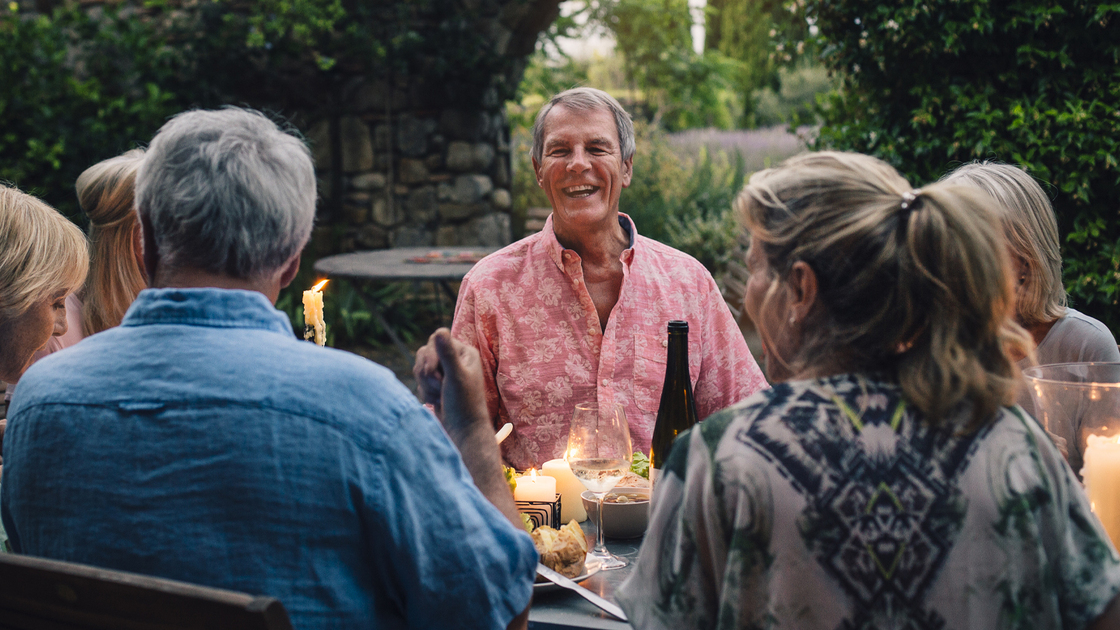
[394,265]
[562,609]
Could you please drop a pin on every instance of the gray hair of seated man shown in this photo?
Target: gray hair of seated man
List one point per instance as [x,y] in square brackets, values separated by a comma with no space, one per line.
[584,99]
[227,192]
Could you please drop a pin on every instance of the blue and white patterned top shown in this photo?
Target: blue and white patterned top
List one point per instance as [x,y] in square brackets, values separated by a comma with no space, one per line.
[201,441]
[830,504]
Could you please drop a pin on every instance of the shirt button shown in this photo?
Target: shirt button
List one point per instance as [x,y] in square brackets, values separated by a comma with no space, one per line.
[664,343]
[606,382]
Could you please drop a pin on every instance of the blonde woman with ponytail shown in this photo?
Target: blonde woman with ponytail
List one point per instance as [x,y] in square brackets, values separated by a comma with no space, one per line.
[883,481]
[105,192]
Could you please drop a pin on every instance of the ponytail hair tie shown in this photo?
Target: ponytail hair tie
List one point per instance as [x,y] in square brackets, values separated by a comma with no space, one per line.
[909,197]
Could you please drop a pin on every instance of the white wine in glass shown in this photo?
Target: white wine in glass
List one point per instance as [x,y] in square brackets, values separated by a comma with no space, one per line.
[599,454]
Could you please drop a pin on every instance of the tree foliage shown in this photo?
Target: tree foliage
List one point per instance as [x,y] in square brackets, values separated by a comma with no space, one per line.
[680,88]
[683,88]
[927,85]
[754,34]
[75,90]
[81,84]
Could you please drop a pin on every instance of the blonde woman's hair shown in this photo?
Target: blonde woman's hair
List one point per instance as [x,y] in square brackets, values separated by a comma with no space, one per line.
[1031,231]
[41,252]
[910,283]
[105,192]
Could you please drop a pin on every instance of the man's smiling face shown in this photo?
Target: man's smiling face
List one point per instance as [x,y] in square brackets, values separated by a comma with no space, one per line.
[581,168]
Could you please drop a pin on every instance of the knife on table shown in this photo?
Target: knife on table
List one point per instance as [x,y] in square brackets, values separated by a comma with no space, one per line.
[560,580]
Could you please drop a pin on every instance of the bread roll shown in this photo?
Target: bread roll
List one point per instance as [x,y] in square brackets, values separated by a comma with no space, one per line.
[562,550]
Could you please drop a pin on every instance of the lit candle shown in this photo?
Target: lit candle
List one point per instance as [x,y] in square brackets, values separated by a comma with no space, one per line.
[313,325]
[571,506]
[532,487]
[1102,481]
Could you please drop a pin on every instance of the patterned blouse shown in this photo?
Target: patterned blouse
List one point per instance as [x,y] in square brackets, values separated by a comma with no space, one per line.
[527,310]
[830,504]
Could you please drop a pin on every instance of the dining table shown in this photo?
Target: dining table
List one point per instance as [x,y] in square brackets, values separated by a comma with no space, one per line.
[556,608]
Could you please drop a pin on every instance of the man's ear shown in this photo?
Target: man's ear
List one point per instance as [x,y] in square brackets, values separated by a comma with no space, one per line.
[291,268]
[627,171]
[537,172]
[802,281]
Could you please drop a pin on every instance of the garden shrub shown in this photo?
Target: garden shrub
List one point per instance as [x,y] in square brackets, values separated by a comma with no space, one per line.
[82,83]
[927,85]
[76,89]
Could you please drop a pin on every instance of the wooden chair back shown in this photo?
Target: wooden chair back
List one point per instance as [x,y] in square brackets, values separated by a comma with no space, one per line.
[39,594]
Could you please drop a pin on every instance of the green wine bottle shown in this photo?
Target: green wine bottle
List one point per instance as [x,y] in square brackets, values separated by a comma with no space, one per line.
[677,411]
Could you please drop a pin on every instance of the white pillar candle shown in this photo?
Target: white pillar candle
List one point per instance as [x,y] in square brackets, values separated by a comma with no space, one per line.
[314,326]
[571,506]
[1102,482]
[533,487]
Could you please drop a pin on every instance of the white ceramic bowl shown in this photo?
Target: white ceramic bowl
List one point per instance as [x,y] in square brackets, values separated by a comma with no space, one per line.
[621,520]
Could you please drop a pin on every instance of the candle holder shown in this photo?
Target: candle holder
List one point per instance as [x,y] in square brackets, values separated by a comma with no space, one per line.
[1075,400]
[542,512]
[1079,404]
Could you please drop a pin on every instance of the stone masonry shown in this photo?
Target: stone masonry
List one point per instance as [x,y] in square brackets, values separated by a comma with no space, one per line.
[417,178]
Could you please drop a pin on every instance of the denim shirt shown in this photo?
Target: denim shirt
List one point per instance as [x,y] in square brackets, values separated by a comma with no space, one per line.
[201,441]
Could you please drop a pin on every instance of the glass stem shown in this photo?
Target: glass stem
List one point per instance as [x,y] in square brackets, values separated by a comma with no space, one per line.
[600,546]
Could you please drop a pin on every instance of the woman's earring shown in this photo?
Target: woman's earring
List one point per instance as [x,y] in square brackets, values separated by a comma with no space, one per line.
[792,320]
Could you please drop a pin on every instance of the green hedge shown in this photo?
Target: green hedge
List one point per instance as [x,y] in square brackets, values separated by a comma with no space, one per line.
[79,85]
[75,90]
[927,85]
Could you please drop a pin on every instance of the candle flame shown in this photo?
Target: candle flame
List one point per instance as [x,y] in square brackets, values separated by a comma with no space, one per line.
[533,473]
[319,287]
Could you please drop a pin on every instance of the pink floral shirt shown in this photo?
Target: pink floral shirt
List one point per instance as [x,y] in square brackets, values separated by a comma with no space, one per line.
[527,310]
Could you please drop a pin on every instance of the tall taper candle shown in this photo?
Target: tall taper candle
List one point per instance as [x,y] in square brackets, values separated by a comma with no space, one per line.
[314,327]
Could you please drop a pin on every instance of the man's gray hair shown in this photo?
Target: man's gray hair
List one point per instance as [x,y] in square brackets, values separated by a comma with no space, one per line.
[227,192]
[583,99]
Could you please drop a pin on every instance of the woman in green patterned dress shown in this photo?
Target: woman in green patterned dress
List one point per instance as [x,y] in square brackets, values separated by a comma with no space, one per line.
[884,481]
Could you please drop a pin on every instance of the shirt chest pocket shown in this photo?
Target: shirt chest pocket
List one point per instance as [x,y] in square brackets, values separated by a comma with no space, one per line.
[650,358]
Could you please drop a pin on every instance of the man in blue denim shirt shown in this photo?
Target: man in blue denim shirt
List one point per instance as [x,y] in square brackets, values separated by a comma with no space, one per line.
[201,441]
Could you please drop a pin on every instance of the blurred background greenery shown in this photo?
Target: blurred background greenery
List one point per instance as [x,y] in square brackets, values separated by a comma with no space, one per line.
[717,91]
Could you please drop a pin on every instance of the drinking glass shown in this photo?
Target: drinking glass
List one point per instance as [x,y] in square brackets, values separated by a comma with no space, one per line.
[599,454]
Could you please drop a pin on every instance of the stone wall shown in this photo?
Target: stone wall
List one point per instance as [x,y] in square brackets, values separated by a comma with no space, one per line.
[409,151]
[411,175]
[425,161]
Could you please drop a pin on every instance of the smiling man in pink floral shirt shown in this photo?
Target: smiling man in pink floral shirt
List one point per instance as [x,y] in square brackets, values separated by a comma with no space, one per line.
[578,312]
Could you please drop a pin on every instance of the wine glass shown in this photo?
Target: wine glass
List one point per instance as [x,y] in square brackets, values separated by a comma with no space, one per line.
[599,454]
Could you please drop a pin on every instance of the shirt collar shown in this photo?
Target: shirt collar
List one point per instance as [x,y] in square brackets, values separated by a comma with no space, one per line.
[216,308]
[556,250]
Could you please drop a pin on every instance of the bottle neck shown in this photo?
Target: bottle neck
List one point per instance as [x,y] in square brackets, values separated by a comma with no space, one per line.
[678,349]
